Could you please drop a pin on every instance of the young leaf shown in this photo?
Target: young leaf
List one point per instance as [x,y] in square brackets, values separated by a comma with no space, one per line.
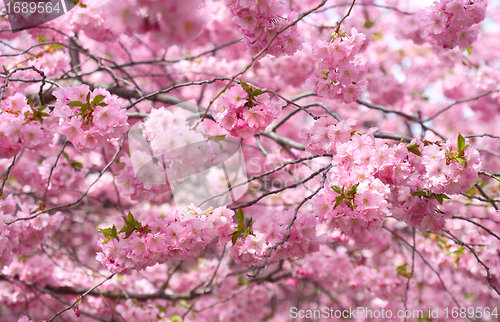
[217,138]
[419,193]
[76,103]
[337,189]
[41,39]
[257,92]
[76,165]
[114,233]
[246,88]
[413,148]
[402,270]
[338,200]
[55,47]
[352,191]
[98,99]
[249,223]
[235,236]
[462,161]
[460,143]
[161,308]
[241,219]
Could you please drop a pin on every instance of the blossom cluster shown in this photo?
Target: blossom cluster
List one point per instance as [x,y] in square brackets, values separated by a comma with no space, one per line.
[267,231]
[143,185]
[380,280]
[243,112]
[21,126]
[178,150]
[451,23]
[260,21]
[21,237]
[170,239]
[408,181]
[341,78]
[65,175]
[89,118]
[172,22]
[325,134]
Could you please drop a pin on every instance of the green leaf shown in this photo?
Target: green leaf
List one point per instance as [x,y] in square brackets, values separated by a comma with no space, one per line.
[106,231]
[30,102]
[56,47]
[161,308]
[76,103]
[337,189]
[352,191]
[217,138]
[246,88]
[419,193]
[235,235]
[240,215]
[368,24]
[439,198]
[114,233]
[88,98]
[257,92]
[76,164]
[460,143]
[462,161]
[242,281]
[41,39]
[41,108]
[98,99]
[402,270]
[413,148]
[459,251]
[176,318]
[65,155]
[102,104]
[109,233]
[338,200]
[469,50]
[249,223]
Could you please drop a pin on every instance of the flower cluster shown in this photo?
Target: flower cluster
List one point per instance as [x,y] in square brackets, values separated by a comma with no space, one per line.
[324,135]
[408,181]
[438,169]
[164,136]
[451,23]
[66,175]
[172,22]
[22,236]
[244,111]
[21,126]
[267,231]
[89,118]
[170,239]
[260,21]
[341,78]
[144,185]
